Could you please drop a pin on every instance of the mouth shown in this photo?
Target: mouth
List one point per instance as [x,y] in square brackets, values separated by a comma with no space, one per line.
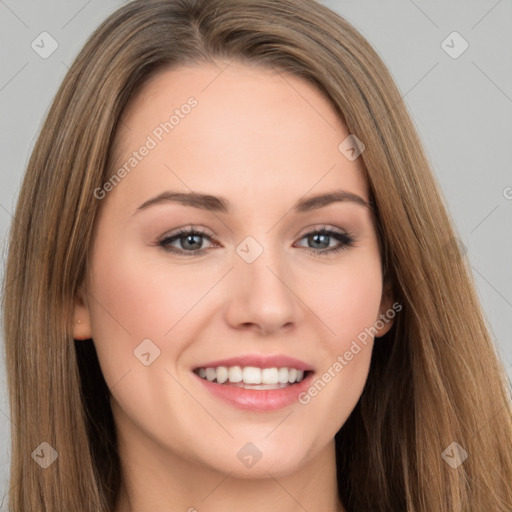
[256,383]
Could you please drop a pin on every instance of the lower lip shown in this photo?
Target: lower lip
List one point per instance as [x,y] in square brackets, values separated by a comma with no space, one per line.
[258,399]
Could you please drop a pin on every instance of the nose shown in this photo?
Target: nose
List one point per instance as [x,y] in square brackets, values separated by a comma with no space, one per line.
[261,295]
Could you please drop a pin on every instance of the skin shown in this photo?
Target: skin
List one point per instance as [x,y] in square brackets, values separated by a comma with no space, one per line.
[263,140]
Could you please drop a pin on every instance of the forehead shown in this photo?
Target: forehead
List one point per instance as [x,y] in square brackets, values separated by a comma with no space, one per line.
[233,129]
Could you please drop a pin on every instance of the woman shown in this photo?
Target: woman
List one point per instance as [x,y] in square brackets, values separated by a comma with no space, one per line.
[252,369]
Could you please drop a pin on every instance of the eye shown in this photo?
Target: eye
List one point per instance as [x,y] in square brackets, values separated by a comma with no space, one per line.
[191,241]
[320,237]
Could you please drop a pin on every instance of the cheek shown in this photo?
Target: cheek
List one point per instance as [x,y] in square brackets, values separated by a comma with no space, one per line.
[129,302]
[136,296]
[345,297]
[138,290]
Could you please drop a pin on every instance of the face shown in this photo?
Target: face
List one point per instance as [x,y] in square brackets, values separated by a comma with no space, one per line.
[250,283]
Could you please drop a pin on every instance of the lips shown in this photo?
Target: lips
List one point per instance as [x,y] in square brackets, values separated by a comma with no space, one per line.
[259,361]
[256,382]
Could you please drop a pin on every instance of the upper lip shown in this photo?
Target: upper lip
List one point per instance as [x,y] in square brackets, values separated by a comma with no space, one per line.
[259,361]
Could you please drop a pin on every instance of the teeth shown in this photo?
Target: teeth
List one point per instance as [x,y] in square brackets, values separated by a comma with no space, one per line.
[222,374]
[235,374]
[283,375]
[270,375]
[252,375]
[258,378]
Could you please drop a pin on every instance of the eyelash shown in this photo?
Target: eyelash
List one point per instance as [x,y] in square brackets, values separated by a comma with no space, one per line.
[345,239]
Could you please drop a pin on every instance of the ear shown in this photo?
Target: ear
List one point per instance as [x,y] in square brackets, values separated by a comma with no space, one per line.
[82,321]
[386,311]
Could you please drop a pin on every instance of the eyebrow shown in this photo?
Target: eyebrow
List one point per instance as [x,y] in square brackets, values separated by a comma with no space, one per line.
[223,205]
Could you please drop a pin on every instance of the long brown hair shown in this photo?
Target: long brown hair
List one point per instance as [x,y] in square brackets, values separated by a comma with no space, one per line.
[435,377]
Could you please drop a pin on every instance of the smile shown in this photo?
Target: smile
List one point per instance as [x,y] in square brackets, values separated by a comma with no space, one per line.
[255,382]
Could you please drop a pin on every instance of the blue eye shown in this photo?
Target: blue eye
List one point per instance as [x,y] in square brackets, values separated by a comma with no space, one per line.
[191,240]
[322,236]
[188,238]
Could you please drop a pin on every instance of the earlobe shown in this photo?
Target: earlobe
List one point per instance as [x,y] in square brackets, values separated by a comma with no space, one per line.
[82,322]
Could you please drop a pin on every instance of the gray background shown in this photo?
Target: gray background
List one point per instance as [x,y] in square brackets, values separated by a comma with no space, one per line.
[461,106]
